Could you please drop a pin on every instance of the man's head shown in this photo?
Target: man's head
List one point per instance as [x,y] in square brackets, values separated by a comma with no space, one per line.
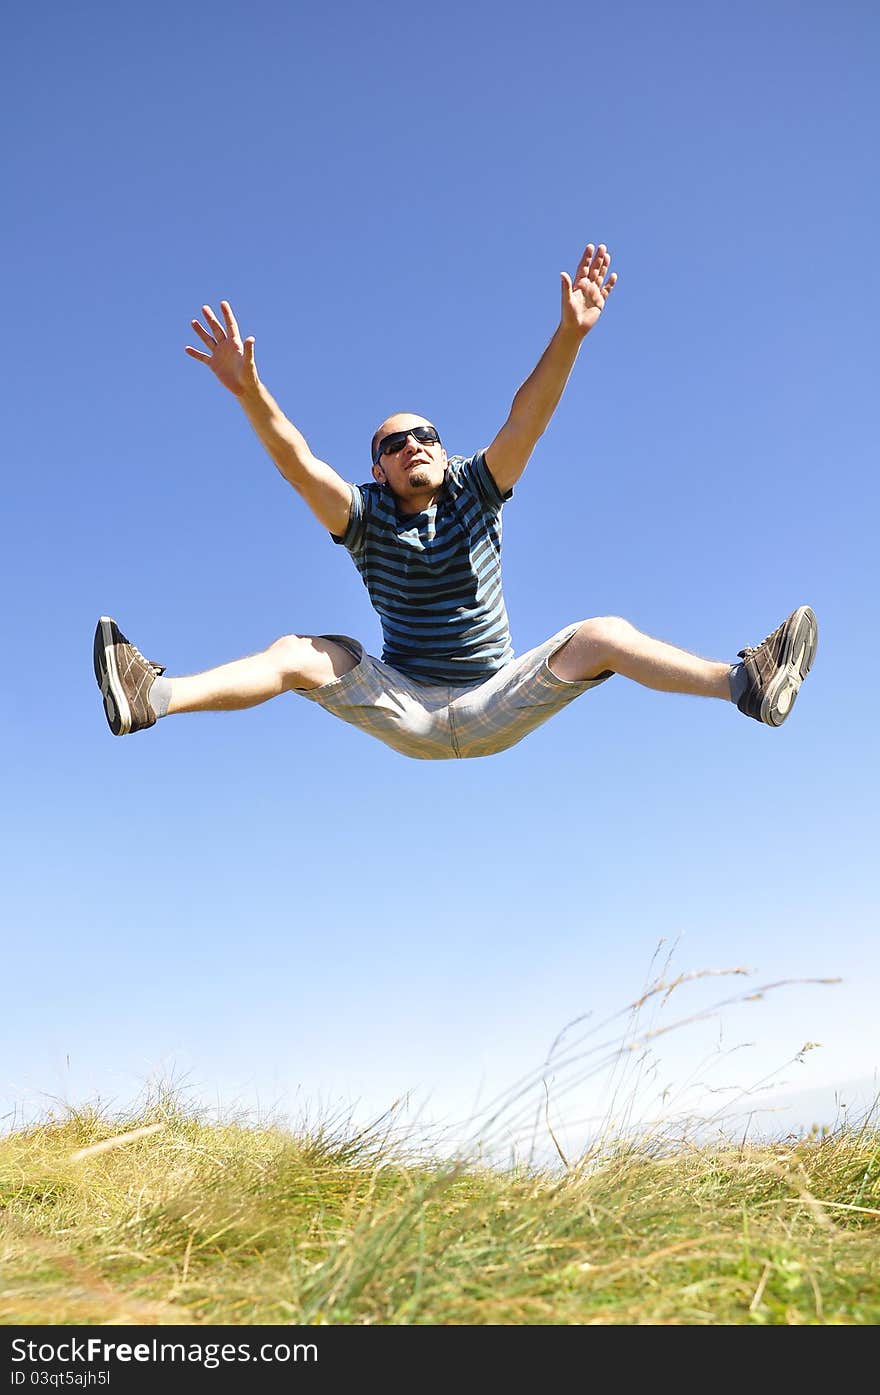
[412,468]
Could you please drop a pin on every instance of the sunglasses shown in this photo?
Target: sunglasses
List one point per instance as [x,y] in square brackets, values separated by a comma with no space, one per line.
[391,445]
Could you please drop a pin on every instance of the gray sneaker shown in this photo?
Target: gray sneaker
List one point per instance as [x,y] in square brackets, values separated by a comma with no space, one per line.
[776,668]
[125,678]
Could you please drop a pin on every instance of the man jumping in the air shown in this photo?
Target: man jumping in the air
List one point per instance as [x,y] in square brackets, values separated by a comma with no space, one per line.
[426,538]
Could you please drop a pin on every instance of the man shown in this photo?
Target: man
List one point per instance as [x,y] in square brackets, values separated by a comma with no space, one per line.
[426,537]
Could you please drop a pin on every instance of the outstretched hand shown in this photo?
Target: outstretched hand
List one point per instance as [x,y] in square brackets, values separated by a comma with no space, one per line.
[228,358]
[583,299]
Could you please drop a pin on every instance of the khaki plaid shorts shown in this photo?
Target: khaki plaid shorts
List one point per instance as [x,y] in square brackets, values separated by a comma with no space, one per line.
[438,721]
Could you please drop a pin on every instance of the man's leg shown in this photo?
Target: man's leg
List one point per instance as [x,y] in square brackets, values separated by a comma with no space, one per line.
[763,686]
[611,643]
[136,693]
[296,661]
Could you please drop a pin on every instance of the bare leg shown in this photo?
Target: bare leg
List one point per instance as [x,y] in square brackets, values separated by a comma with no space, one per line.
[611,643]
[296,661]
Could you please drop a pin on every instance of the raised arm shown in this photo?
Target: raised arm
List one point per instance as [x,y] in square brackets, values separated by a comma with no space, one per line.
[232,362]
[583,301]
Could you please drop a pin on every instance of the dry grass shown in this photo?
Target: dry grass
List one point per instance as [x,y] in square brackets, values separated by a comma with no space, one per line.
[161,1217]
[189,1222]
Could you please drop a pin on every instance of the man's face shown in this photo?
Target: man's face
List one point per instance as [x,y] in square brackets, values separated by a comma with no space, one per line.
[414,472]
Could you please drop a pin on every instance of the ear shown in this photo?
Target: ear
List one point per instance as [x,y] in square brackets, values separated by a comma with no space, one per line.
[378,474]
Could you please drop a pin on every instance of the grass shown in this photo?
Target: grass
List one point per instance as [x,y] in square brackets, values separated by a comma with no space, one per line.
[205,1223]
[157,1216]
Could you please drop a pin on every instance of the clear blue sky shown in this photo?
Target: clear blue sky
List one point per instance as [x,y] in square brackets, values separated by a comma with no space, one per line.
[269,906]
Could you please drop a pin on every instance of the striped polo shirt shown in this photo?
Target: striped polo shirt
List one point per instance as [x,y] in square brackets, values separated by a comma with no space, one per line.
[434,578]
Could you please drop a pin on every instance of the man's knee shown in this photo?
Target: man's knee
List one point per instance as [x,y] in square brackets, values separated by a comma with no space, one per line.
[606,634]
[287,654]
[309,661]
[592,648]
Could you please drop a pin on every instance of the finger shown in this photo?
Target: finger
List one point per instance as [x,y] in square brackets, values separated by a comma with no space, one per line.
[219,331]
[249,351]
[195,353]
[566,283]
[600,263]
[203,334]
[584,263]
[609,284]
[231,324]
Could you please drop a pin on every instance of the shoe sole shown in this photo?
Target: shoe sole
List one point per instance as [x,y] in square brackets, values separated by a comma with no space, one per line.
[795,661]
[116,708]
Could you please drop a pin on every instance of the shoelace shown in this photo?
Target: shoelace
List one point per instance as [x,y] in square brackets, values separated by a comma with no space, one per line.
[753,648]
[158,669]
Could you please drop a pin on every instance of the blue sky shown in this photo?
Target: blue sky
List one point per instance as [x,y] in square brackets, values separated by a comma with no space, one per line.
[269,907]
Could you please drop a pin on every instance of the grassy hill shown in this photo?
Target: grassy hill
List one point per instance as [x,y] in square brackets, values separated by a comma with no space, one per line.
[163,1218]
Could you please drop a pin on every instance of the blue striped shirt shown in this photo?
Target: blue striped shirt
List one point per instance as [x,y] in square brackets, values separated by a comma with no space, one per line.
[434,578]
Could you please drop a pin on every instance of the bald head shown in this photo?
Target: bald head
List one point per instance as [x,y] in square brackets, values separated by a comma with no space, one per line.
[400,421]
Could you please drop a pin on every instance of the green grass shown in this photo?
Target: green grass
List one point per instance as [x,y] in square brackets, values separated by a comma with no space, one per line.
[198,1222]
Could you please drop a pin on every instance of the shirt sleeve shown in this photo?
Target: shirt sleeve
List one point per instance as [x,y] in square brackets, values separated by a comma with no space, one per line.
[474,474]
[353,537]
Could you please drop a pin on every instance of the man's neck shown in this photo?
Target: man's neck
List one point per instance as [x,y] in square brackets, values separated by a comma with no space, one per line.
[417,502]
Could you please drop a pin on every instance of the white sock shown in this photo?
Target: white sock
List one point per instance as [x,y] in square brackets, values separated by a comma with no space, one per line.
[159,696]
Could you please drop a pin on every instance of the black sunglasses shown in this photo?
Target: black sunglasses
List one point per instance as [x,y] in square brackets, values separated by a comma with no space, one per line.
[390,445]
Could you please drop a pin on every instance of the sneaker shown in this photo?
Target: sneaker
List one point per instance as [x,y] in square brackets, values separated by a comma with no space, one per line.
[125,678]
[776,668]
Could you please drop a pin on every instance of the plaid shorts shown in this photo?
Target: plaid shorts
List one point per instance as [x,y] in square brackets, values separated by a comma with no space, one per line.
[439,721]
